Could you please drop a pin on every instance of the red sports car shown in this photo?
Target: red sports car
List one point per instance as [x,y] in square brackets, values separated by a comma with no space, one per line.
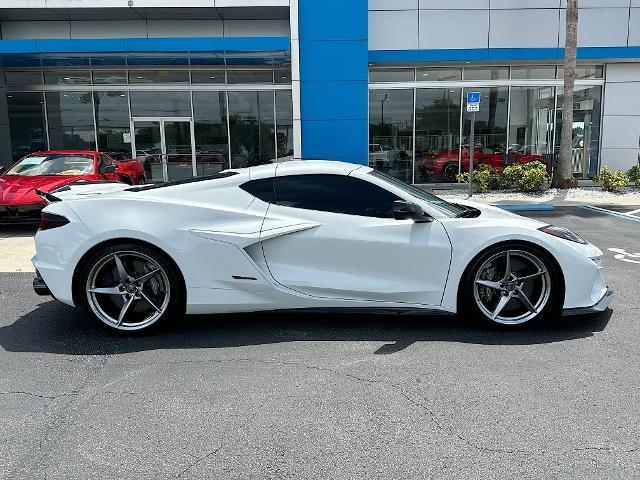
[444,164]
[47,171]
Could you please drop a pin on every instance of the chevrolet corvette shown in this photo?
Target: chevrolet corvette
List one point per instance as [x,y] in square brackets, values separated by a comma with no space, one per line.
[304,235]
[47,171]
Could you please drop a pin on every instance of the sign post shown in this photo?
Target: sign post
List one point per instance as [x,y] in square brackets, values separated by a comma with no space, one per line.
[473,106]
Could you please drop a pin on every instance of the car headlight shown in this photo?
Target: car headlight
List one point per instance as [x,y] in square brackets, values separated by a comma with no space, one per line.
[563,233]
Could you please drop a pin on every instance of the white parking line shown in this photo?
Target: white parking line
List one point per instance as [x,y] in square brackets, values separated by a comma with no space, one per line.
[612,213]
[633,212]
[622,254]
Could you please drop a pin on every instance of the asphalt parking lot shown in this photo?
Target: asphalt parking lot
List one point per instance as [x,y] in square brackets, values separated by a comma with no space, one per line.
[327,396]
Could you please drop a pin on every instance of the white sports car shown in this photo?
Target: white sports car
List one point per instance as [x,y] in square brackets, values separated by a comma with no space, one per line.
[304,235]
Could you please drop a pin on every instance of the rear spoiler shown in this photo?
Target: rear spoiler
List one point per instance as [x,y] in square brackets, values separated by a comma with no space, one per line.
[50,197]
[47,196]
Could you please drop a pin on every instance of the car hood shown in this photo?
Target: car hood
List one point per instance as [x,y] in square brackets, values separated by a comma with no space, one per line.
[21,189]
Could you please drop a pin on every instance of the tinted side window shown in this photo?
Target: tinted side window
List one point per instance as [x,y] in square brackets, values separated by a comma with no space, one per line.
[336,194]
[262,189]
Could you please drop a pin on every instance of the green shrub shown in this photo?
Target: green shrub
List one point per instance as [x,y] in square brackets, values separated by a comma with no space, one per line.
[484,179]
[634,174]
[611,181]
[526,177]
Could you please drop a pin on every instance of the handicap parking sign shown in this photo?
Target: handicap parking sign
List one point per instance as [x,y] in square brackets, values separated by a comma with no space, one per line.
[473,97]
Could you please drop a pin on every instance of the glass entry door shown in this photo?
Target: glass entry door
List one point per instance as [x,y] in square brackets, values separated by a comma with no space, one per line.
[165,147]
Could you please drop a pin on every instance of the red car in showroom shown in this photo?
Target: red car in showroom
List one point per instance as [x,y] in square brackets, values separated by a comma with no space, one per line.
[50,170]
[444,164]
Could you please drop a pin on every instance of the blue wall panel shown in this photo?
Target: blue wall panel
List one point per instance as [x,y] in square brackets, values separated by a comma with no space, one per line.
[344,98]
[334,140]
[333,79]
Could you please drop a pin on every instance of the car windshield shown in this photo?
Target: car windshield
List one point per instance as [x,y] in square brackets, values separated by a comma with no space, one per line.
[55,164]
[443,206]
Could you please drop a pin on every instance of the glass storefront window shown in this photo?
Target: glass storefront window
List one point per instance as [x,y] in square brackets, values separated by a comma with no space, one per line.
[70,116]
[251,118]
[110,77]
[439,74]
[586,129]
[486,73]
[23,78]
[178,131]
[67,77]
[282,76]
[112,122]
[26,123]
[160,104]
[392,75]
[584,72]
[154,61]
[531,122]
[158,76]
[391,132]
[149,149]
[284,125]
[490,128]
[249,76]
[210,125]
[207,76]
[533,72]
[437,134]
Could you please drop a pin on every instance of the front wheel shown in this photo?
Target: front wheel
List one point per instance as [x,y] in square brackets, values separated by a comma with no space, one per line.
[449,172]
[131,288]
[510,286]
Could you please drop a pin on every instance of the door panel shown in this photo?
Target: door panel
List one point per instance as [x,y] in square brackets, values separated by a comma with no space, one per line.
[359,258]
[177,137]
[149,149]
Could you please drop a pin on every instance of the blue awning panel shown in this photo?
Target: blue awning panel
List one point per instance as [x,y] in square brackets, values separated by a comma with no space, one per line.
[113,51]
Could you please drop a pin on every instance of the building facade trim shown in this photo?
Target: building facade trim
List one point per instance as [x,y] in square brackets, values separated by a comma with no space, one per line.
[501,54]
[140,45]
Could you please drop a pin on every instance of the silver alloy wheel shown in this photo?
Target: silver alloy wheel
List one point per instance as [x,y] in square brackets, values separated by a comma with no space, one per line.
[512,287]
[128,290]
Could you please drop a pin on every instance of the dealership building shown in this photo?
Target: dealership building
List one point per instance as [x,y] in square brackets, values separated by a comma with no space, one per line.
[197,86]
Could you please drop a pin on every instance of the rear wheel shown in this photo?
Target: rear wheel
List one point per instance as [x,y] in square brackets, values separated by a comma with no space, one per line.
[131,288]
[510,286]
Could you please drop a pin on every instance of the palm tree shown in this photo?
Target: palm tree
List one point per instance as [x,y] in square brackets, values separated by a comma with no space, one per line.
[563,177]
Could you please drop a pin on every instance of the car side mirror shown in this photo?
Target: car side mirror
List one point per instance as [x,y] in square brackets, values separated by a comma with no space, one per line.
[403,210]
[109,169]
[2,169]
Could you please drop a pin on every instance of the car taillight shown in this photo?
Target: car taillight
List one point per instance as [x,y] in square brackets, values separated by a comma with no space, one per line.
[51,220]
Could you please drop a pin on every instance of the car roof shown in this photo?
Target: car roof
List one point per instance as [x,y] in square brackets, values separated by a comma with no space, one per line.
[303,167]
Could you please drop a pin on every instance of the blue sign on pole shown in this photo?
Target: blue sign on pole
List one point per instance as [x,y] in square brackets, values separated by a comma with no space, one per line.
[473,97]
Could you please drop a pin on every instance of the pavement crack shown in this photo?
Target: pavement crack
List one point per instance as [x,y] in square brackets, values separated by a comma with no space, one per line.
[595,448]
[223,439]
[55,430]
[38,395]
[397,388]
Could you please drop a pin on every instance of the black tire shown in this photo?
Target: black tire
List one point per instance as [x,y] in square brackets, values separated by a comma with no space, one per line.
[449,172]
[102,270]
[477,305]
